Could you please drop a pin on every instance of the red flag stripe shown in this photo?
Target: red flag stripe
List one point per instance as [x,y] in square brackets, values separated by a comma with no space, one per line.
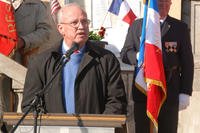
[129,17]
[154,67]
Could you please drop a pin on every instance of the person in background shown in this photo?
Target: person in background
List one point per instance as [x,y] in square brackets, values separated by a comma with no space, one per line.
[33,26]
[178,66]
[90,83]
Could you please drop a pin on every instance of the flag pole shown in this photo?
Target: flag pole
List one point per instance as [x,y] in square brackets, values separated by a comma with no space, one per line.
[152,127]
[104,19]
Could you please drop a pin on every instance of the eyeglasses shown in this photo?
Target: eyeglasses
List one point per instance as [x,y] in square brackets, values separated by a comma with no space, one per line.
[75,24]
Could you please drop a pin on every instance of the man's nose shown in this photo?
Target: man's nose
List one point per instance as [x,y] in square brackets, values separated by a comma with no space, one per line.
[81,25]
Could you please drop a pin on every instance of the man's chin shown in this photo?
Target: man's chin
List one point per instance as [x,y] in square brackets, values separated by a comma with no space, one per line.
[81,40]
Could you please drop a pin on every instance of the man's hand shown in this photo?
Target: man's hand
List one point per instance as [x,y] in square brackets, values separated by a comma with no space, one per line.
[184,101]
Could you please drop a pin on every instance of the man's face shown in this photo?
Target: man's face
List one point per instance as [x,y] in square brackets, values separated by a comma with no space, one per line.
[74,26]
[164,7]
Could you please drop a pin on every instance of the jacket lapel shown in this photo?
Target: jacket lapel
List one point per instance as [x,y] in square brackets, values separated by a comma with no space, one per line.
[89,56]
[166,26]
[85,61]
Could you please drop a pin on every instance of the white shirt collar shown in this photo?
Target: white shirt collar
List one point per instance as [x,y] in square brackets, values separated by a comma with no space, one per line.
[64,47]
[163,20]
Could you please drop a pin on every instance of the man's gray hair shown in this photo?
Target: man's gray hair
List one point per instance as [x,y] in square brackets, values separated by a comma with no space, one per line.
[60,11]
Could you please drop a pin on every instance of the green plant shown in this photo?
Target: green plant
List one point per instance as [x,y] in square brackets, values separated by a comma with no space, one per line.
[97,35]
[94,36]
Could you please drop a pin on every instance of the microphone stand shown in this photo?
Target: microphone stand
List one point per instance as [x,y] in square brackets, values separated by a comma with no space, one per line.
[36,103]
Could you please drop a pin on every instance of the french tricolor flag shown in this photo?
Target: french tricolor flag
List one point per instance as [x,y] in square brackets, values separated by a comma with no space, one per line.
[150,75]
[123,10]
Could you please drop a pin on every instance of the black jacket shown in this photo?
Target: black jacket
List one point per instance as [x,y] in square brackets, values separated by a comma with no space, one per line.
[98,87]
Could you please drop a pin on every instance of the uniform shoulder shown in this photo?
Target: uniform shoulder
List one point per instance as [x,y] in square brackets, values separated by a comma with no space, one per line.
[137,24]
[137,20]
[177,21]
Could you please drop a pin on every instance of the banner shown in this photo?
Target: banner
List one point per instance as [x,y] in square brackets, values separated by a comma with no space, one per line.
[8,34]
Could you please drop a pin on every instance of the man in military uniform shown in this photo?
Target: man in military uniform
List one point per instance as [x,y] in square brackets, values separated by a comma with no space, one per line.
[178,65]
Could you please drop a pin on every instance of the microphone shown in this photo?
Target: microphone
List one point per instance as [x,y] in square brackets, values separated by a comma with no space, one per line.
[74,47]
[66,57]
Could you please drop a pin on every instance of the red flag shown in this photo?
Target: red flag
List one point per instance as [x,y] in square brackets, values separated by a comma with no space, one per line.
[8,34]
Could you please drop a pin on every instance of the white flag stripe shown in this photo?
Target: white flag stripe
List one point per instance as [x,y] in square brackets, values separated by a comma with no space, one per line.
[124,9]
[153,26]
[140,79]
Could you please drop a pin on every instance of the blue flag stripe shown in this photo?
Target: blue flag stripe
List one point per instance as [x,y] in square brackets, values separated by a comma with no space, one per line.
[115,6]
[142,41]
[154,5]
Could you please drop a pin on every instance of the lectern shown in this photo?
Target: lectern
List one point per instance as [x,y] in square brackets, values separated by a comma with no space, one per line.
[65,123]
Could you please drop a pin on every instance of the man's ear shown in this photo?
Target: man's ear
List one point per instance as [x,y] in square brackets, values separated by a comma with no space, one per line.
[60,29]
